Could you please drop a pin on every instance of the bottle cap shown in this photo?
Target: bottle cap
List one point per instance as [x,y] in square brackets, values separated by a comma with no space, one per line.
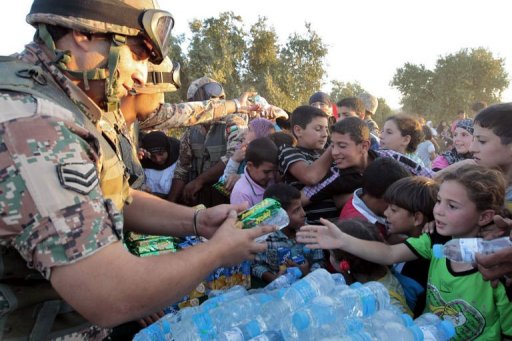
[448,328]
[437,251]
[300,320]
[416,332]
[407,320]
[253,328]
[296,272]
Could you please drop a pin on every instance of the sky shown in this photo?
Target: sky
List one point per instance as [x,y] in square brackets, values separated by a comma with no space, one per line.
[367,40]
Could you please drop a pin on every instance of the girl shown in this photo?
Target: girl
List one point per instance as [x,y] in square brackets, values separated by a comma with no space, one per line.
[468,199]
[426,150]
[462,137]
[402,133]
[355,269]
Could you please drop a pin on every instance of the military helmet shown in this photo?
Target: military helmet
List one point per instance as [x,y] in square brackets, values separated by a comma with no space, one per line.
[123,17]
[119,18]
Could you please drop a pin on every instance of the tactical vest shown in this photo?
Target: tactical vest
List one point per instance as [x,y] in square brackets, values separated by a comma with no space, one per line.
[207,150]
[32,308]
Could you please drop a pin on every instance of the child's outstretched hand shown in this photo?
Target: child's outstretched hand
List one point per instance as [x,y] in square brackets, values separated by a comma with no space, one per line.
[429,227]
[320,237]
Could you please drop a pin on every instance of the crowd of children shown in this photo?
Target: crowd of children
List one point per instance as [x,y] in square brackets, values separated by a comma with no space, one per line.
[359,203]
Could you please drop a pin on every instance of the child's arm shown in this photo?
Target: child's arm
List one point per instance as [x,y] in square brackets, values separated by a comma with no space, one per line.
[330,237]
[311,174]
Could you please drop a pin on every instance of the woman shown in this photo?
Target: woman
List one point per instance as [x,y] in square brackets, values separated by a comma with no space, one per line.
[462,137]
[161,154]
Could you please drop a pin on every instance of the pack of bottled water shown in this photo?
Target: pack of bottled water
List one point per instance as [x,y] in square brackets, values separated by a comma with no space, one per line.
[319,306]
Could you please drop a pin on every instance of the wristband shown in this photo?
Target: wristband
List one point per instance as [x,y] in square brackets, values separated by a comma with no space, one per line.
[237,105]
[194,221]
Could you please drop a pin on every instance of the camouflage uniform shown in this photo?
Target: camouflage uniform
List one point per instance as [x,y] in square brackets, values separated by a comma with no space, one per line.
[184,114]
[53,209]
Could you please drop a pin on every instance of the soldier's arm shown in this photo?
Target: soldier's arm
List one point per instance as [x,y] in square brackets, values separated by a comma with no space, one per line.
[112,286]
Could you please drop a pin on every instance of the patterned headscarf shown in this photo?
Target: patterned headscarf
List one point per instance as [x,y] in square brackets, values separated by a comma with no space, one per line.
[466,124]
[453,156]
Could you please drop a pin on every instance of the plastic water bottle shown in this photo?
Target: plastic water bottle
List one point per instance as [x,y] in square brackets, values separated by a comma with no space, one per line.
[233,292]
[269,336]
[315,321]
[463,250]
[285,280]
[232,313]
[442,331]
[316,283]
[395,331]
[199,327]
[387,315]
[244,331]
[427,319]
[380,292]
[158,331]
[339,280]
[350,302]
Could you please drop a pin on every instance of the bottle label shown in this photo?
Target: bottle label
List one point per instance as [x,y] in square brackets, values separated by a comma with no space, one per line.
[468,248]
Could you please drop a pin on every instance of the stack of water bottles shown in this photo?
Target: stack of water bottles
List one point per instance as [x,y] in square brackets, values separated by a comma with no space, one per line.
[319,306]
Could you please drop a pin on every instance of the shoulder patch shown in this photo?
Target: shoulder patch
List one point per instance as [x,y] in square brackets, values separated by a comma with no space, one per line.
[80,177]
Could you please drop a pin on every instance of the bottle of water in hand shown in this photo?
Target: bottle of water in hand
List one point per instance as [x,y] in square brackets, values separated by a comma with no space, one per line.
[463,250]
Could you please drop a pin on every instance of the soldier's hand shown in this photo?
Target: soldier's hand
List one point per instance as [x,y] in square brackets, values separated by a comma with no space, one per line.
[236,245]
[244,98]
[495,266]
[209,220]
[150,319]
[499,228]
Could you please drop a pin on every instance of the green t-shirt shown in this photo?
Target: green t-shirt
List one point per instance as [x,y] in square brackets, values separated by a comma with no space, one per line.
[477,310]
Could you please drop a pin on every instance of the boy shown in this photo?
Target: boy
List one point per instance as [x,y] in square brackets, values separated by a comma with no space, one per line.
[367,202]
[351,153]
[305,164]
[267,264]
[261,156]
[410,206]
[492,142]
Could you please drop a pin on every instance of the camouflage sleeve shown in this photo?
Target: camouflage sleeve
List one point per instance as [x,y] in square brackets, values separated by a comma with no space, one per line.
[236,128]
[184,114]
[184,164]
[52,209]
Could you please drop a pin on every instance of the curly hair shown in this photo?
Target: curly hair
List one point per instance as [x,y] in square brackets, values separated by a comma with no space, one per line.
[485,187]
[408,125]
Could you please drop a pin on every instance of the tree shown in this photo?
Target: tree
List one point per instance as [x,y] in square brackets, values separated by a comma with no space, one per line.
[217,50]
[456,82]
[342,90]
[301,68]
[383,111]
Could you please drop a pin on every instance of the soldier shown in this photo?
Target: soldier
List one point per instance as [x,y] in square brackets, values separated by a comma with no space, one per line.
[62,185]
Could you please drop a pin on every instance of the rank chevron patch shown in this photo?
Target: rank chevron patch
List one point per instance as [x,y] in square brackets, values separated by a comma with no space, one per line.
[80,177]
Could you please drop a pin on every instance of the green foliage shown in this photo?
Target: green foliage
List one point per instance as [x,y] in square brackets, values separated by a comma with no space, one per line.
[457,81]
[342,90]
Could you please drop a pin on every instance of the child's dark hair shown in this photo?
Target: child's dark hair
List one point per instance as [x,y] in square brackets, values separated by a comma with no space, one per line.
[283,193]
[353,103]
[356,127]
[380,174]
[485,187]
[497,118]
[427,133]
[304,114]
[362,230]
[414,194]
[284,122]
[282,138]
[408,125]
[261,150]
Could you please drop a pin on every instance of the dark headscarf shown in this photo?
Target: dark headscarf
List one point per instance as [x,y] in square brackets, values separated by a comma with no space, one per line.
[157,141]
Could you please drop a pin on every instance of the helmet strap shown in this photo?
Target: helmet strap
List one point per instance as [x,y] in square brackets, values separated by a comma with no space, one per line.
[61,59]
